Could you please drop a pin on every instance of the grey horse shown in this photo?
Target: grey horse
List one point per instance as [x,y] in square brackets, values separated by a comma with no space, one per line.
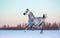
[34,20]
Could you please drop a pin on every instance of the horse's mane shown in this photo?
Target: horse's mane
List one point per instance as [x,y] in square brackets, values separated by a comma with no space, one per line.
[32,14]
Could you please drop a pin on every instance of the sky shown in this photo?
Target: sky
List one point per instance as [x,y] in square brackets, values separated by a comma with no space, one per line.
[11,11]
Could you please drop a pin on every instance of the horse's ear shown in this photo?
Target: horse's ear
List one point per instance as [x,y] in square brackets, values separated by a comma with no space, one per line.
[27,9]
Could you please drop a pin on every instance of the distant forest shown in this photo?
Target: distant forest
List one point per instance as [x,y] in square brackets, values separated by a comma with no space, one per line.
[47,26]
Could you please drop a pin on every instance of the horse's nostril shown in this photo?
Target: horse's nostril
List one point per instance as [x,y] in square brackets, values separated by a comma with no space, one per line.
[24,13]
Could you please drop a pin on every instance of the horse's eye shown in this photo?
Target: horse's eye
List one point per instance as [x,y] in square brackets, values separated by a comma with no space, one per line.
[27,9]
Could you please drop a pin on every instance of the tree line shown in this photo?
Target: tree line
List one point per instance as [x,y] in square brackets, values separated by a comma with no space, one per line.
[47,26]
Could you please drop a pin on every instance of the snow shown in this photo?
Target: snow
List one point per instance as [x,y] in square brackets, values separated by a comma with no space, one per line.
[29,34]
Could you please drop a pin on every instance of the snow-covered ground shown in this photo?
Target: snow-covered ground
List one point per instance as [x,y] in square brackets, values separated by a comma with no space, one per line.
[29,34]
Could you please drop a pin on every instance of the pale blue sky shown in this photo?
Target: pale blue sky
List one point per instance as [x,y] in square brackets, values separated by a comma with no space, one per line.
[11,11]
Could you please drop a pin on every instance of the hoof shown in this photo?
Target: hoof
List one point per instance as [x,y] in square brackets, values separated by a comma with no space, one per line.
[32,30]
[24,31]
[41,32]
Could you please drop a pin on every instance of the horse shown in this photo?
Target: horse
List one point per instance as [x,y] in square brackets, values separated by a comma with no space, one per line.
[32,20]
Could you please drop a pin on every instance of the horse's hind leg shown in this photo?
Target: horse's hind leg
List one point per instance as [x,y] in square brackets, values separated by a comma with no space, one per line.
[41,25]
[41,30]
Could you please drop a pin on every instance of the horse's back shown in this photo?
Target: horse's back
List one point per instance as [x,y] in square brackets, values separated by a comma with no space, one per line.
[38,20]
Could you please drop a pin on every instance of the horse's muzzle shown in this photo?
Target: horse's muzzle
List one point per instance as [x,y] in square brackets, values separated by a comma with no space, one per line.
[24,14]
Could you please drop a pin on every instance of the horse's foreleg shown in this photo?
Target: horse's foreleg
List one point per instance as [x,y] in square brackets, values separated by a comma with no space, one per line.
[26,28]
[32,27]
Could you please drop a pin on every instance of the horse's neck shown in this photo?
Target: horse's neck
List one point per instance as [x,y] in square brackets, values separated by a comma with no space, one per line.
[31,16]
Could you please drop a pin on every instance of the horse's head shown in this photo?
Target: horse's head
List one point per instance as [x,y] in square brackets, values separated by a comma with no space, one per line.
[26,12]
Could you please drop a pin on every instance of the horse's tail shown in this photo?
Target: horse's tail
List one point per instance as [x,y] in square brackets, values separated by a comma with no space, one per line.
[44,16]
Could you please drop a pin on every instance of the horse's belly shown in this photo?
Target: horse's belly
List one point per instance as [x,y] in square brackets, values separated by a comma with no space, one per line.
[36,22]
